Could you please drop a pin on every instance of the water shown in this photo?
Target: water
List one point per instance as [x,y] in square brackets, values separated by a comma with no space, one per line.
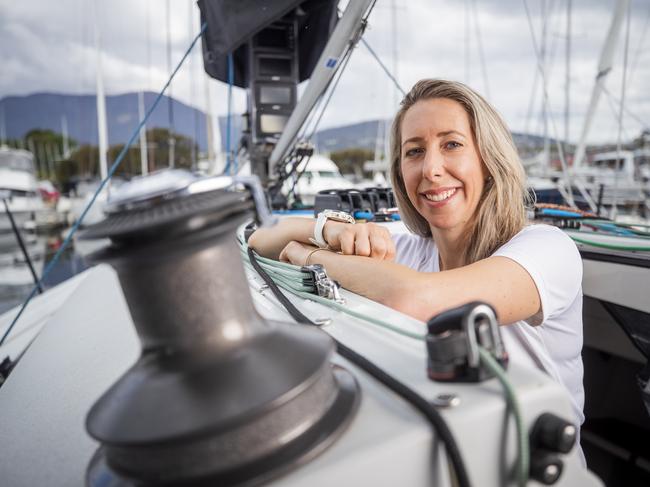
[16,281]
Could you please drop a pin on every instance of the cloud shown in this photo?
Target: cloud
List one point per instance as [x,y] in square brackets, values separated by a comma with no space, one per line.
[49,46]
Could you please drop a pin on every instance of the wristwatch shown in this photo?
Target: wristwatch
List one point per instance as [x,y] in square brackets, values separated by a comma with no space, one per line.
[323,216]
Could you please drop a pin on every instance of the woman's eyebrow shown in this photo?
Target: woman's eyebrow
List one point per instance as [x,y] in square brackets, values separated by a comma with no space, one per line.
[439,134]
[412,139]
[449,132]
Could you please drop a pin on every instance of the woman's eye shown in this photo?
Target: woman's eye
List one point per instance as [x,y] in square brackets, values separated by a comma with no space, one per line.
[452,144]
[413,152]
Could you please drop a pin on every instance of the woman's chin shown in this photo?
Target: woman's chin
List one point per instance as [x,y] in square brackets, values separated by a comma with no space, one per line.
[445,223]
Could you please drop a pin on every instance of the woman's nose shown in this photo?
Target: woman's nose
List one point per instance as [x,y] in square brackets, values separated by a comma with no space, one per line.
[433,165]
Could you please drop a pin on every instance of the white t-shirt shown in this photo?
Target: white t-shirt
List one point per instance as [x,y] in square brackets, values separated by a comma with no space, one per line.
[553,261]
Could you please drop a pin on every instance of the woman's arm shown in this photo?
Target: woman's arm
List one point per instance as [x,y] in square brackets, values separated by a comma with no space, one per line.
[499,281]
[366,239]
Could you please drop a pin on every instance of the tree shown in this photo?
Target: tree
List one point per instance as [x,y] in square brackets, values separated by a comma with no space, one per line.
[47,147]
[87,156]
[158,142]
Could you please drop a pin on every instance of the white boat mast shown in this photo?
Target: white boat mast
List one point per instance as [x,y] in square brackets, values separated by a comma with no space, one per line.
[3,130]
[604,67]
[170,99]
[567,82]
[144,167]
[212,131]
[101,102]
[64,131]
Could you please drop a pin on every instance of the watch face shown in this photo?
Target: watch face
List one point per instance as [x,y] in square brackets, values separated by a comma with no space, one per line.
[339,216]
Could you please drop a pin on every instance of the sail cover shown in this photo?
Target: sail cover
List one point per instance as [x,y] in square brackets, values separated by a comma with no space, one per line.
[232,23]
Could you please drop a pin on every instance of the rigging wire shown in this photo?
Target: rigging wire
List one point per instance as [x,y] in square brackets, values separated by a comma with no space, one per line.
[103,183]
[639,48]
[383,66]
[567,81]
[332,89]
[565,171]
[481,54]
[615,105]
[620,114]
[629,112]
[466,40]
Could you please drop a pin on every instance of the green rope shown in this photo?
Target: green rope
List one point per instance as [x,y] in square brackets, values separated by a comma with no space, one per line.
[523,461]
[632,248]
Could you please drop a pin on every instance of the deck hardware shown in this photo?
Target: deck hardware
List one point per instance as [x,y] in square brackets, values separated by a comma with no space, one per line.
[446,400]
[324,286]
[453,340]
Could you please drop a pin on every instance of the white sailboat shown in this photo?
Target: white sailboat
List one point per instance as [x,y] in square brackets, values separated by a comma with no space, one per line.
[172,243]
[19,187]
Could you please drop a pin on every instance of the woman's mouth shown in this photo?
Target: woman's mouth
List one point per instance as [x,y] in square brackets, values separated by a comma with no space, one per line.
[439,198]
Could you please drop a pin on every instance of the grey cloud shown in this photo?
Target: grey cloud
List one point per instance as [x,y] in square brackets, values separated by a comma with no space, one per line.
[49,46]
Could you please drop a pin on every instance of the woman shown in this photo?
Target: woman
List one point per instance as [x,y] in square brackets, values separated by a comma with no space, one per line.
[460,188]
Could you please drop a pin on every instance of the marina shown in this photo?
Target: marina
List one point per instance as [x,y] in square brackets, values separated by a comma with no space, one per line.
[171,352]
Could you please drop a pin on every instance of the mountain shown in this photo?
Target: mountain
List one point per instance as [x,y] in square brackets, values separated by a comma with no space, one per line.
[45,111]
[364,135]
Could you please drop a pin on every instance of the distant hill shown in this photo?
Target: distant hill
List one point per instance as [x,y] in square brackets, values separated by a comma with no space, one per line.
[45,111]
[364,135]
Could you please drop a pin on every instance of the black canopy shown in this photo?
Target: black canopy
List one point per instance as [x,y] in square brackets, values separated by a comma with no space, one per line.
[232,23]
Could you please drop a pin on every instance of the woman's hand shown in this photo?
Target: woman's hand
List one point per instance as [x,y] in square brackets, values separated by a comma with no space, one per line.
[296,253]
[365,239]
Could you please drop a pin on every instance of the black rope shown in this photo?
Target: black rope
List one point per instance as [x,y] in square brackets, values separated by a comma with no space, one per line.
[23,249]
[416,400]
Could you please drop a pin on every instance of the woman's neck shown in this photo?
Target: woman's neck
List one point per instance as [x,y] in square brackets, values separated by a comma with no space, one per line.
[451,247]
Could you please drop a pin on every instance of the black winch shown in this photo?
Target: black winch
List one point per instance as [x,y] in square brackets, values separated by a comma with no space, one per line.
[219,396]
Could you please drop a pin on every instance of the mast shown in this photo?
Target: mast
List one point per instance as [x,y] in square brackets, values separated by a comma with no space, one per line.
[64,131]
[604,67]
[3,129]
[101,102]
[144,169]
[212,131]
[544,63]
[170,106]
[346,30]
[567,84]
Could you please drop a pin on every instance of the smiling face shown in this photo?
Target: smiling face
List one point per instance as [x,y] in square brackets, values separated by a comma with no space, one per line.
[440,164]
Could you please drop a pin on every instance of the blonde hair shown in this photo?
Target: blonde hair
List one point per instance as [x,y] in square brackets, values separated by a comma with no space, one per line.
[501,211]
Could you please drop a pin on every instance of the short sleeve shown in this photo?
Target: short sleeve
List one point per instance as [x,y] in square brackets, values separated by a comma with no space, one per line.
[553,262]
[418,253]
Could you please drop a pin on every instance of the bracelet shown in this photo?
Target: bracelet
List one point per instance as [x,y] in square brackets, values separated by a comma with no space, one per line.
[313,252]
